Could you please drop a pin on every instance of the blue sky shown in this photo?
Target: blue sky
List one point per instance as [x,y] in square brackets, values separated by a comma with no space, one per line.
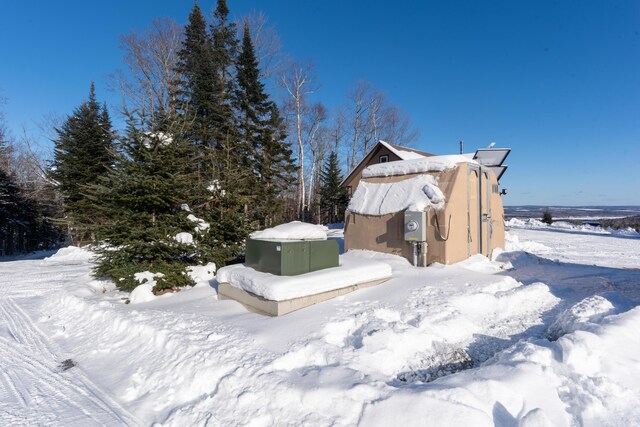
[556,81]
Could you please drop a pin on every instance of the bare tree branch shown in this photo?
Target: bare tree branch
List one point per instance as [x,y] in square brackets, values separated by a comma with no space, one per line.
[298,83]
[148,85]
[266,42]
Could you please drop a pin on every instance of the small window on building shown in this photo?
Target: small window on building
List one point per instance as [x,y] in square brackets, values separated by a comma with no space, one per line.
[384,159]
[349,191]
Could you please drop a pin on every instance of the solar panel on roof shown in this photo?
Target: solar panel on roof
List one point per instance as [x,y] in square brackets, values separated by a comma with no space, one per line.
[491,156]
[499,171]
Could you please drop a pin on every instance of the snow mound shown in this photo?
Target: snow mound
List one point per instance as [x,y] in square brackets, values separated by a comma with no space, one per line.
[202,274]
[71,254]
[384,198]
[513,243]
[505,300]
[280,288]
[397,263]
[631,232]
[294,230]
[525,223]
[576,380]
[144,291]
[419,165]
[587,312]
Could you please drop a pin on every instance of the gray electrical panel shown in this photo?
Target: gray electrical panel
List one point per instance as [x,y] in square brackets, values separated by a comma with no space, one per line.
[415,226]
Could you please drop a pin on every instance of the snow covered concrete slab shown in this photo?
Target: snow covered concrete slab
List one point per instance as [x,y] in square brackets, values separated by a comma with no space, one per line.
[278,308]
[280,288]
[277,295]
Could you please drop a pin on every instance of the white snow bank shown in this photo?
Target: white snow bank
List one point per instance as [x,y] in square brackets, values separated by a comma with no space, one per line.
[294,230]
[202,274]
[533,224]
[582,315]
[525,223]
[71,254]
[279,288]
[144,291]
[184,238]
[495,304]
[513,243]
[577,380]
[421,165]
[384,198]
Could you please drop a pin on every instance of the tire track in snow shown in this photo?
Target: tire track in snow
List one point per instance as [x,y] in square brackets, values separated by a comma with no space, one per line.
[10,389]
[32,376]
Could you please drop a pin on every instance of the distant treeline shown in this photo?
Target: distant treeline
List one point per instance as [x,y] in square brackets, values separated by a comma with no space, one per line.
[617,223]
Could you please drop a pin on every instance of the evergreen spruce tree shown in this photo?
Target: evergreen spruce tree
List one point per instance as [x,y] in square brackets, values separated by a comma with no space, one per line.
[225,51]
[145,199]
[11,215]
[261,131]
[83,153]
[24,226]
[333,198]
[196,83]
[206,105]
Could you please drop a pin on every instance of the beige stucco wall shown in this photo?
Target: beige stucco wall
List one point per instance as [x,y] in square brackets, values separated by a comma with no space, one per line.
[448,230]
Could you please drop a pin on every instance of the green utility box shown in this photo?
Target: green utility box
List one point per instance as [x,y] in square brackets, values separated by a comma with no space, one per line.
[291,257]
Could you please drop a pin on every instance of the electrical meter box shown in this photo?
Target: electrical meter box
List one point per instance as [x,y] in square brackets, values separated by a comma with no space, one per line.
[415,226]
[291,257]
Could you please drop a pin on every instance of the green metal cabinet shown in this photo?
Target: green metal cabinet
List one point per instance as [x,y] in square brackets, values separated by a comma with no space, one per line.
[291,257]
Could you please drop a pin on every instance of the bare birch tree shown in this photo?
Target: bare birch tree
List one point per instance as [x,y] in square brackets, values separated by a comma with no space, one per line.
[338,130]
[315,140]
[370,117]
[148,84]
[356,108]
[298,83]
[396,127]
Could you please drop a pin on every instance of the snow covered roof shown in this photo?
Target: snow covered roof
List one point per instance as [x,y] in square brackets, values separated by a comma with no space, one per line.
[402,152]
[421,165]
[416,193]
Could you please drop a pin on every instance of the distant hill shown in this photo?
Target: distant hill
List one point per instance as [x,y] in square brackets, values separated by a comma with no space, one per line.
[572,212]
[606,216]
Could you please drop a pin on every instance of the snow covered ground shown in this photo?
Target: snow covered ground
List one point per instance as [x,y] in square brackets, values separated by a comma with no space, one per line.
[546,334]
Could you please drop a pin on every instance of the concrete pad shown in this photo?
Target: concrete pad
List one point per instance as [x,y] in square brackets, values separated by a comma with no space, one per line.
[261,305]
